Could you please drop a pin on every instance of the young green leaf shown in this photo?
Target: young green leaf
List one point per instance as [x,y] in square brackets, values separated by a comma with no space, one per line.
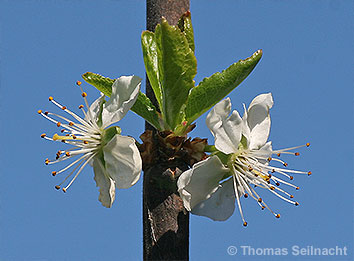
[177,67]
[103,84]
[148,44]
[185,25]
[213,89]
[143,106]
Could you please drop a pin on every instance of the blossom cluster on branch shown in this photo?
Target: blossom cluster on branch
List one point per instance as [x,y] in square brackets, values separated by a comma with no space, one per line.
[220,174]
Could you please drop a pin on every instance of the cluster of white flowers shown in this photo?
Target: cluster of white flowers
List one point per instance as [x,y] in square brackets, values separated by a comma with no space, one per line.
[115,158]
[211,187]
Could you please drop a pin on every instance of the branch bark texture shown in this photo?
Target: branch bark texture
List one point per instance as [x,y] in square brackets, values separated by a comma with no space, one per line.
[165,221]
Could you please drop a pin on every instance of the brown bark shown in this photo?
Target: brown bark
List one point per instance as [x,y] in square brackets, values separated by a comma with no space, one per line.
[165,221]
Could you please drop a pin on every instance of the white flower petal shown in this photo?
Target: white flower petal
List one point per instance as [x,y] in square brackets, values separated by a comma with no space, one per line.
[227,131]
[259,120]
[220,206]
[122,161]
[197,184]
[125,91]
[246,132]
[105,183]
[95,107]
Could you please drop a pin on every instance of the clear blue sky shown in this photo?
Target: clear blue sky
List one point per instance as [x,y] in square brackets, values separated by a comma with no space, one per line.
[307,64]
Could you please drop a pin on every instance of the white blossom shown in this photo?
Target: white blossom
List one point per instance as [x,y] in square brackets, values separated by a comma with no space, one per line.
[213,186]
[115,158]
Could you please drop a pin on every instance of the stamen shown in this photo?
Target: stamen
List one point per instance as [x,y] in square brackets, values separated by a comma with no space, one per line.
[238,199]
[78,172]
[78,83]
[309,173]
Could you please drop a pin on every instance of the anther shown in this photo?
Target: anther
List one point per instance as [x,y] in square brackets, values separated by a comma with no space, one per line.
[81,106]
[46,161]
[296,203]
[309,173]
[273,170]
[43,135]
[297,188]
[84,94]
[245,195]
[308,144]
[54,173]
[63,108]
[272,188]
[50,98]
[67,154]
[278,154]
[297,153]
[78,83]
[58,124]
[64,189]
[85,142]
[39,111]
[277,216]
[62,130]
[263,207]
[269,175]
[46,113]
[291,177]
[285,164]
[74,137]
[245,224]
[250,168]
[269,159]
[71,123]
[259,200]
[57,187]
[291,196]
[278,184]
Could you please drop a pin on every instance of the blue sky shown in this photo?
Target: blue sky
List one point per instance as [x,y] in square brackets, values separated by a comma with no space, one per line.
[307,64]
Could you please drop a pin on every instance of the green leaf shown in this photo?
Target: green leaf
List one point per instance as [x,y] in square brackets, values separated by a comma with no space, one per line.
[142,106]
[185,25]
[177,67]
[213,89]
[151,65]
[103,84]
